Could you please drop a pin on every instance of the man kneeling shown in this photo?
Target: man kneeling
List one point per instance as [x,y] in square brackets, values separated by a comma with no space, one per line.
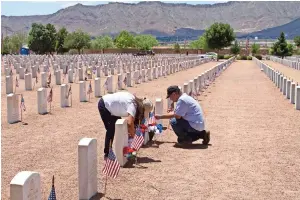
[187,120]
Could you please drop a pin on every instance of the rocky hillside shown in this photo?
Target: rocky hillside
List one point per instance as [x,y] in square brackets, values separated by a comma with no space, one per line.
[162,18]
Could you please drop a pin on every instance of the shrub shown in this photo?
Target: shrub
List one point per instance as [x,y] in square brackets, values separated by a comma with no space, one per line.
[243,57]
[220,56]
[249,57]
[238,57]
[227,56]
[259,57]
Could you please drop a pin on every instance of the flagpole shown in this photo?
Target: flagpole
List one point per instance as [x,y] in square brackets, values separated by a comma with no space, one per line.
[105,185]
[110,146]
[21,114]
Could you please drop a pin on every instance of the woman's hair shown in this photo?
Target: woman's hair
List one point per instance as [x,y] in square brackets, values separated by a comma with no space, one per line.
[140,109]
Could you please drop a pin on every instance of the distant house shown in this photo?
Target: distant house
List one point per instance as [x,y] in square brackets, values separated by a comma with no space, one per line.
[24,50]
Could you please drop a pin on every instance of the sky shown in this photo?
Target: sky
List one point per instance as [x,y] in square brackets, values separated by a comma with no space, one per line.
[21,8]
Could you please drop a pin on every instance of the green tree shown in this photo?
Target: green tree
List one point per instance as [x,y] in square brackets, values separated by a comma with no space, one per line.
[297,41]
[7,46]
[199,44]
[145,42]
[102,42]
[60,40]
[177,47]
[51,37]
[17,41]
[77,40]
[42,39]
[235,49]
[291,49]
[255,49]
[219,35]
[280,48]
[124,40]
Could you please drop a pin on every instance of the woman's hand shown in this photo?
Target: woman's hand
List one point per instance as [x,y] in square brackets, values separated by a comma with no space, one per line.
[157,117]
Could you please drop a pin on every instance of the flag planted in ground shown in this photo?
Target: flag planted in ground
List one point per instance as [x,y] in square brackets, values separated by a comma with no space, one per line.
[138,140]
[52,195]
[22,105]
[112,166]
[152,119]
[49,99]
[69,92]
[106,85]
[17,82]
[90,90]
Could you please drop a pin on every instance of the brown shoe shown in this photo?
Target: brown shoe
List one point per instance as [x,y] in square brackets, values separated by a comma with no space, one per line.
[206,138]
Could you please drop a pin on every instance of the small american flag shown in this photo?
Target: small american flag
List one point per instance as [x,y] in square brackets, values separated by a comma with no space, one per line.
[22,105]
[69,92]
[52,195]
[112,166]
[125,80]
[17,82]
[49,99]
[152,119]
[138,140]
[106,85]
[90,90]
[49,79]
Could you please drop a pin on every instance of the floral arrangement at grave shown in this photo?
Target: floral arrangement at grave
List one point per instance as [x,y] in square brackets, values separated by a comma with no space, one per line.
[150,126]
[153,127]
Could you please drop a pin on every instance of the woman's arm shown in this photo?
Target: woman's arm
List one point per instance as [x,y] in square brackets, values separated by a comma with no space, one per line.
[130,125]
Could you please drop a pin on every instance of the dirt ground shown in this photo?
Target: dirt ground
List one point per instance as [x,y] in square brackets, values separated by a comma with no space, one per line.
[287,71]
[253,153]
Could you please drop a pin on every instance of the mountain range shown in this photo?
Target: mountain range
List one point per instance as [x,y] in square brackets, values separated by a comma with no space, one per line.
[264,19]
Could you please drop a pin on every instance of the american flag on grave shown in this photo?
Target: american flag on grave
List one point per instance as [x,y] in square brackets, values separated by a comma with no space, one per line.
[119,82]
[112,166]
[90,90]
[49,98]
[22,105]
[52,195]
[125,80]
[152,120]
[69,92]
[138,140]
[106,85]
[17,82]
[49,79]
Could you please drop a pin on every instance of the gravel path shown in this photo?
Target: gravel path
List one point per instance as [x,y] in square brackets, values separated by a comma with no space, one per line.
[253,153]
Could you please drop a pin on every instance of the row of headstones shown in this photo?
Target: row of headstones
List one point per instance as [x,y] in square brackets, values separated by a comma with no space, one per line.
[288,63]
[98,59]
[33,69]
[27,184]
[42,105]
[288,88]
[293,58]
[198,83]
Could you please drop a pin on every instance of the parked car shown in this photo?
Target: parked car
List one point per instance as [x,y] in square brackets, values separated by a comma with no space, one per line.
[212,55]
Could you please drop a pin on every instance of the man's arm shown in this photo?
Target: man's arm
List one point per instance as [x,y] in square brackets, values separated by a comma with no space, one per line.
[168,116]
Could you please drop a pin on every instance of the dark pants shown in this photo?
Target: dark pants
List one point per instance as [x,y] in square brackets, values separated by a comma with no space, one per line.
[109,123]
[184,131]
